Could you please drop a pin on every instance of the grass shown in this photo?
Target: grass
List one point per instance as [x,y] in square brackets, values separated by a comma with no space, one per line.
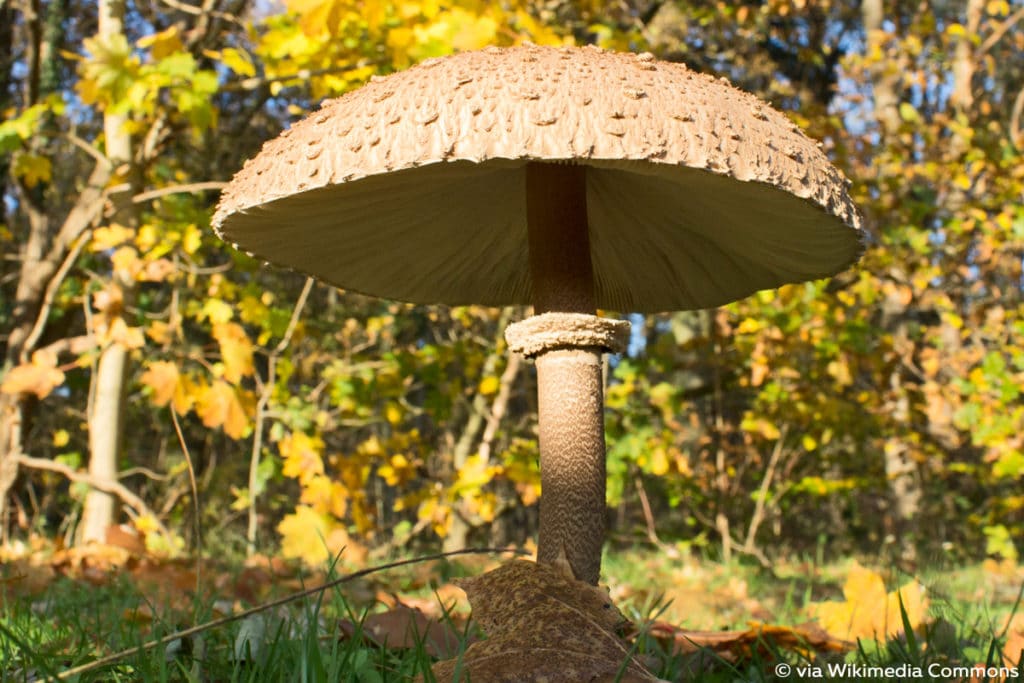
[72,623]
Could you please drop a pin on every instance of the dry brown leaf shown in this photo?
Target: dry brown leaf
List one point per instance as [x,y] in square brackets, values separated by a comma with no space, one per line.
[406,628]
[737,645]
[542,625]
[442,601]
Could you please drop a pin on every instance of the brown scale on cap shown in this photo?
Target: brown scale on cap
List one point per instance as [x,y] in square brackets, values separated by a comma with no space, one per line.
[427,166]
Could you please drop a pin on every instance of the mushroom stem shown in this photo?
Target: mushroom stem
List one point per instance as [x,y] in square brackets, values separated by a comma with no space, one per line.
[569,381]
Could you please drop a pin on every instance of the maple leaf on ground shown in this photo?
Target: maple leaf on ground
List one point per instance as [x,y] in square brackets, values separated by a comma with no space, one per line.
[543,625]
[868,611]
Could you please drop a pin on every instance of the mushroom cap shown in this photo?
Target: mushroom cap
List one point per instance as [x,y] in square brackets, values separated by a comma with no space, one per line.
[413,186]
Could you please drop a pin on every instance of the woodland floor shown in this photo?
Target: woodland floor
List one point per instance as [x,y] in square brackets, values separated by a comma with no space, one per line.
[65,608]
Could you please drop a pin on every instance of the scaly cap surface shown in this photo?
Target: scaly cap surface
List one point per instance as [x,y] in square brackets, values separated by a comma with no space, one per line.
[412,187]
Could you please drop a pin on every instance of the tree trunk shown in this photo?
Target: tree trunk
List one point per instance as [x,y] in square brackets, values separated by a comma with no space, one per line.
[106,416]
[901,469]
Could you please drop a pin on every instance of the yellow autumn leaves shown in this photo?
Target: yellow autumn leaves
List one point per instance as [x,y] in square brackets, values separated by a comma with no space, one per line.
[40,376]
[868,611]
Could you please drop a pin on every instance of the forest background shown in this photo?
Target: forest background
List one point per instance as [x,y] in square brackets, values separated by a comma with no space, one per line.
[878,413]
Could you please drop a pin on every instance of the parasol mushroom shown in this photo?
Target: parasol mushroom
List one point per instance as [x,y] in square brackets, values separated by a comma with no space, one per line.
[568,178]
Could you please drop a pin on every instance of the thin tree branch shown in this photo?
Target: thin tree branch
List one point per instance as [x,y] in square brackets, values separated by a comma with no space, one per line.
[195,496]
[296,314]
[51,292]
[178,189]
[1016,133]
[262,413]
[500,404]
[762,492]
[1001,31]
[87,148]
[113,488]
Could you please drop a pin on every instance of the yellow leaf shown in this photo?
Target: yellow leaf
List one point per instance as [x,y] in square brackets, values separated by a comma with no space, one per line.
[393,413]
[162,378]
[868,611]
[238,61]
[61,438]
[437,514]
[398,470]
[117,331]
[473,475]
[192,239]
[109,71]
[185,394]
[159,332]
[760,426]
[32,169]
[220,405]
[304,535]
[110,237]
[908,113]
[302,456]
[659,462]
[39,377]
[371,447]
[252,310]
[317,17]
[956,30]
[840,372]
[997,8]
[126,262]
[315,538]
[216,311]
[235,351]
[748,326]
[325,495]
[489,385]
[163,43]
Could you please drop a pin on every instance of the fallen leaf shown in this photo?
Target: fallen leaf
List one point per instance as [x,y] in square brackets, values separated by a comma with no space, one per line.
[868,611]
[542,625]
[1013,651]
[406,628]
[759,638]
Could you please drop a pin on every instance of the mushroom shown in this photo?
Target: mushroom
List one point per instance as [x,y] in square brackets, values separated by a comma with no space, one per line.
[571,179]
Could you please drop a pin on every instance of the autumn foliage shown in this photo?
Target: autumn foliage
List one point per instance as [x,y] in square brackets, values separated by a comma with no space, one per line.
[881,409]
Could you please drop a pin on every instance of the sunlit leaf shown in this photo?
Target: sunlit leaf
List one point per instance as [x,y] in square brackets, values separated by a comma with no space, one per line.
[868,611]
[39,377]
[162,379]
